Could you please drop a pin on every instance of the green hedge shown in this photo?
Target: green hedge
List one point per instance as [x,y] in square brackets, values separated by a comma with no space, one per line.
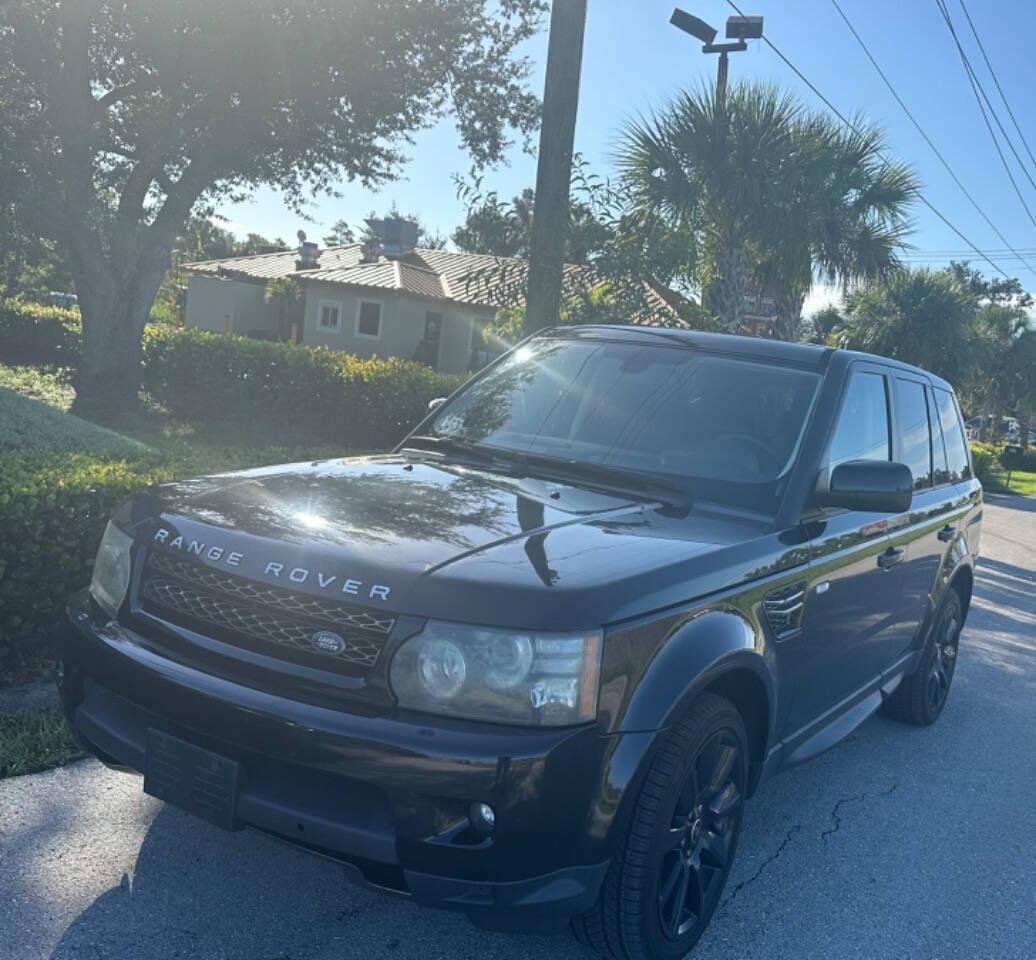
[992,458]
[35,333]
[53,509]
[293,390]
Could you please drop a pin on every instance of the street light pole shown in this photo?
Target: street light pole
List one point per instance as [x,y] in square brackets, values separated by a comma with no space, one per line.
[739,30]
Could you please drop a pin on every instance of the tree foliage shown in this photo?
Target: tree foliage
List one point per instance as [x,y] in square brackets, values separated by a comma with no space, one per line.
[975,332]
[504,228]
[767,196]
[118,119]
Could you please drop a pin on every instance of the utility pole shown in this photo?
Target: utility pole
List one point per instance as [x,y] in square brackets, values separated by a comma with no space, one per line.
[554,164]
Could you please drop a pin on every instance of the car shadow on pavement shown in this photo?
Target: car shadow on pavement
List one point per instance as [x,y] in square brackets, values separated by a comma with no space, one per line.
[196,891]
[1011,501]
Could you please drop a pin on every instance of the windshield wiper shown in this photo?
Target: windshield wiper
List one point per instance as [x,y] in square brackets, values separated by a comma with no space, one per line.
[609,478]
[454,446]
[602,476]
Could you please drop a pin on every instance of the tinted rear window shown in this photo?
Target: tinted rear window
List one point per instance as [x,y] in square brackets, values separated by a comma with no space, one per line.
[912,428]
[953,437]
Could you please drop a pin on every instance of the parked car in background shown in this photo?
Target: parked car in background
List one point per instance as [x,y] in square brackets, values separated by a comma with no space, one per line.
[531,665]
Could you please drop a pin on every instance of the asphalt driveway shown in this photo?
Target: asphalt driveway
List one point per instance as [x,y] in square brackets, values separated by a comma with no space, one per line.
[898,843]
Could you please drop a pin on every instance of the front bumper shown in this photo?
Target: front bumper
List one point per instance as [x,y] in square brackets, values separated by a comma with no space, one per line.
[387,796]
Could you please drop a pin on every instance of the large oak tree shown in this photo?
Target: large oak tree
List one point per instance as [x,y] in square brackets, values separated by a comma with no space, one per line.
[120,119]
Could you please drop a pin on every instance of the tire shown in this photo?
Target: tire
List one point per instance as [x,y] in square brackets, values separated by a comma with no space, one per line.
[920,698]
[685,824]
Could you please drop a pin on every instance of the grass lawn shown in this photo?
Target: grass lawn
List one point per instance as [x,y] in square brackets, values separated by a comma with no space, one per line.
[1021,482]
[187,449]
[34,740]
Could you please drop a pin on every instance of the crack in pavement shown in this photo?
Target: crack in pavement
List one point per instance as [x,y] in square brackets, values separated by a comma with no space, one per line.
[770,859]
[859,796]
[837,819]
[794,830]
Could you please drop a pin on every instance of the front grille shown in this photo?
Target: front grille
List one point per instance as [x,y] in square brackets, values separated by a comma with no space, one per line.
[784,608]
[188,593]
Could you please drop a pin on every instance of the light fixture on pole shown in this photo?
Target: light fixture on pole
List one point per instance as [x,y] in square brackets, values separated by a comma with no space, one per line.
[739,31]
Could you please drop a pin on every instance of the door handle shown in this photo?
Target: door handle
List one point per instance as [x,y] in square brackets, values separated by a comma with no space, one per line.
[947,533]
[891,557]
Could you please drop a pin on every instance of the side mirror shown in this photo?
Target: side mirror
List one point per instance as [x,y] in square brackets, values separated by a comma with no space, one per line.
[873,485]
[436,403]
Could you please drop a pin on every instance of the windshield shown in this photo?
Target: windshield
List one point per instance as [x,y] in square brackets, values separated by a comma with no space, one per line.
[727,429]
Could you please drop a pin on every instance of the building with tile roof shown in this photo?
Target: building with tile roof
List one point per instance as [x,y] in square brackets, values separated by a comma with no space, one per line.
[431,305]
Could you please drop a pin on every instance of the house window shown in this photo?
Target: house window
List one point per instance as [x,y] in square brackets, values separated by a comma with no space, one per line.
[329,315]
[368,320]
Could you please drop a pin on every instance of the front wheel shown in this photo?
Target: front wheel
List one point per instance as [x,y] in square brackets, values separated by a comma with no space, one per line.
[678,845]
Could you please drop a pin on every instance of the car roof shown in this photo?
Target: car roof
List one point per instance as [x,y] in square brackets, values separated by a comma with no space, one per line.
[761,348]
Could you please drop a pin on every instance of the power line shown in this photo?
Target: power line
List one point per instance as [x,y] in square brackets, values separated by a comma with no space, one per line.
[921,130]
[1000,90]
[980,94]
[853,127]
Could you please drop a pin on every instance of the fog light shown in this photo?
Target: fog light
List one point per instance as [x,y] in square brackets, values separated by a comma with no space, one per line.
[482,818]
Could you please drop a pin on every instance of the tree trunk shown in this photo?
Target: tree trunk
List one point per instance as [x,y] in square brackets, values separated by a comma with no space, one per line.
[554,165]
[788,313]
[726,295]
[115,306]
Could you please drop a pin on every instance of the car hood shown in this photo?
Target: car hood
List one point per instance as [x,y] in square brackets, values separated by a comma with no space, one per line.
[448,541]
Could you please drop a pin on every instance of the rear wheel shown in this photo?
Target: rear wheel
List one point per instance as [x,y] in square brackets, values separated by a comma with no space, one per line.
[679,842]
[920,698]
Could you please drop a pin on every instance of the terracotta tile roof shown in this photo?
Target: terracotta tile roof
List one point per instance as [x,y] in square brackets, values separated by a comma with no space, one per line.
[466,278]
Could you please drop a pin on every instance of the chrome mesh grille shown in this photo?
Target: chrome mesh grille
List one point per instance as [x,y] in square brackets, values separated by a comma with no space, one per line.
[784,608]
[175,588]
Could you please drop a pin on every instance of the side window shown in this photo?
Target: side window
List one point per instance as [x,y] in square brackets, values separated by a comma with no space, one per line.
[862,432]
[940,471]
[953,437]
[912,430]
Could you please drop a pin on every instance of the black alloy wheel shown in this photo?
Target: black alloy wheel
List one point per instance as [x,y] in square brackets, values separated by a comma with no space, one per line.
[943,659]
[678,843]
[920,698]
[696,848]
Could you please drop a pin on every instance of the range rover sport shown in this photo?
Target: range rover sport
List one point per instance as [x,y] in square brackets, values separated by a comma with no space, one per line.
[531,664]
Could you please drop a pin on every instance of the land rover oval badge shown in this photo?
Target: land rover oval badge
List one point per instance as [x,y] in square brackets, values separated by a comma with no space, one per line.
[327,642]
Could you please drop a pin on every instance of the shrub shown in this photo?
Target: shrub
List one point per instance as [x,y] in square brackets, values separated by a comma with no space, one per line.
[35,333]
[983,460]
[53,509]
[992,457]
[297,391]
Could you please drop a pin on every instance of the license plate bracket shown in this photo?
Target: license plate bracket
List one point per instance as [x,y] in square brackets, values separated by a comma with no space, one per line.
[196,780]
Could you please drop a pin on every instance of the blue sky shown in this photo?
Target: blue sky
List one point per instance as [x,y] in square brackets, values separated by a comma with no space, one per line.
[634,61]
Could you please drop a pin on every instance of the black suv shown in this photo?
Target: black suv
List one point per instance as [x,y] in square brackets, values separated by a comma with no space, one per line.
[530,665]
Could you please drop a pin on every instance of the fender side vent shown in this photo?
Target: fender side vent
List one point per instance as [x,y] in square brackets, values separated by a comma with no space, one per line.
[783,609]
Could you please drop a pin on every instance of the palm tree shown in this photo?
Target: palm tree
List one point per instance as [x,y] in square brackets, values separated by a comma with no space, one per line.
[844,218]
[772,194]
[925,317]
[711,173]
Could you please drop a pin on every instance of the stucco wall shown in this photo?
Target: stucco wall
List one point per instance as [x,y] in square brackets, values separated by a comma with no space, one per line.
[402,325]
[210,300]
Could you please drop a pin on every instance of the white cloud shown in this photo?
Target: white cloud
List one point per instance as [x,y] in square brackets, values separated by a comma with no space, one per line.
[822,295]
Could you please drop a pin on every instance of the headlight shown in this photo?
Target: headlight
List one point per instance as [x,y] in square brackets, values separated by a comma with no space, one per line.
[112,569]
[499,675]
